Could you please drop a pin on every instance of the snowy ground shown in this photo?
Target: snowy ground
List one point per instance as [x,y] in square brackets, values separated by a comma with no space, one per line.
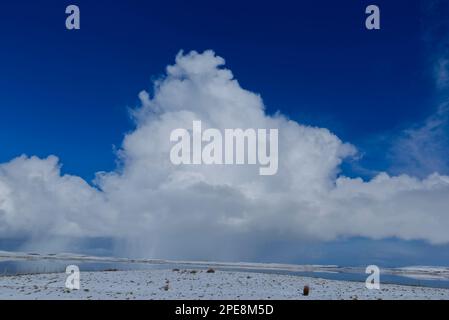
[416,272]
[198,284]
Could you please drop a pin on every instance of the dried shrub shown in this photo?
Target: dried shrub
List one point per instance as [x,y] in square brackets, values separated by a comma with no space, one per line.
[305,291]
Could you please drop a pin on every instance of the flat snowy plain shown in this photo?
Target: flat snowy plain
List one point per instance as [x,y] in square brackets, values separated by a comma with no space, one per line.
[198,284]
[190,280]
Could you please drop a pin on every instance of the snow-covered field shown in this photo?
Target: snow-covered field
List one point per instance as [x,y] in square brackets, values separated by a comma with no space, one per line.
[190,280]
[198,284]
[415,272]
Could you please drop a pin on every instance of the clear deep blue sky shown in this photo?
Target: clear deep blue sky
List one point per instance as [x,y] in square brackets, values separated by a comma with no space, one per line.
[67,92]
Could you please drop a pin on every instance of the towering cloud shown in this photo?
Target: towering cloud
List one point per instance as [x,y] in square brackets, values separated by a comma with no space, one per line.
[218,211]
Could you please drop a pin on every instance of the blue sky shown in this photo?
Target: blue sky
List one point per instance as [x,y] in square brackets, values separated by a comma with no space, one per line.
[68,93]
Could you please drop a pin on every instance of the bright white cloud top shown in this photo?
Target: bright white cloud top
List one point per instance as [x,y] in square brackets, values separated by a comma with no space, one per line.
[217,211]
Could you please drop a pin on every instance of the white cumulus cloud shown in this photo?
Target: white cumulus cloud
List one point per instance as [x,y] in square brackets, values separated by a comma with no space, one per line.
[218,211]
